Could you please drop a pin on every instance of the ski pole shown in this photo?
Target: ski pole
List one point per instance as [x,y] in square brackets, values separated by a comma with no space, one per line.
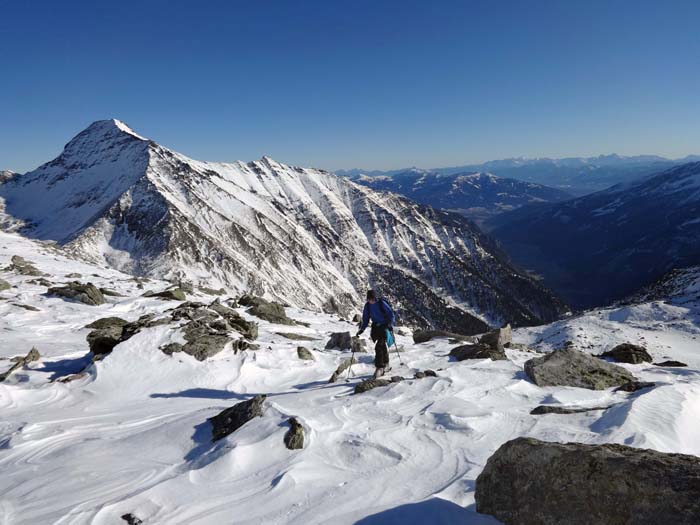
[397,352]
[352,360]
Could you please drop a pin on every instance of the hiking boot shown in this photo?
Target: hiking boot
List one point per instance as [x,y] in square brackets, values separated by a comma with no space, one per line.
[378,372]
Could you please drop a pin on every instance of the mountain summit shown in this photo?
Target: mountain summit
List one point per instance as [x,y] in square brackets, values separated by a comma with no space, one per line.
[302,236]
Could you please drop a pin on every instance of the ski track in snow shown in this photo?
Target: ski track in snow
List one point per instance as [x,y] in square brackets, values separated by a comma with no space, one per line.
[132,436]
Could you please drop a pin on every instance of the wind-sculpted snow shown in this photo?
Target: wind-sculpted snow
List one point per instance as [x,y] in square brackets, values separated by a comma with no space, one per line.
[302,236]
[131,436]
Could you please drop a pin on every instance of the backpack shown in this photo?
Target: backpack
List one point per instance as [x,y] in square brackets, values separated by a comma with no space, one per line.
[382,302]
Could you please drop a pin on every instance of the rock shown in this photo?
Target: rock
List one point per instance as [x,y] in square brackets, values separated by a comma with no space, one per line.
[26,307]
[211,291]
[71,377]
[85,293]
[32,355]
[103,340]
[145,321]
[236,416]
[357,318]
[131,519]
[369,384]
[339,340]
[554,409]
[74,276]
[633,386]
[478,351]
[4,285]
[500,338]
[171,348]
[425,373]
[171,294]
[204,340]
[402,330]
[423,336]
[107,322]
[305,354]
[628,353]
[396,379]
[294,438]
[23,267]
[41,281]
[247,329]
[357,344]
[341,368]
[110,293]
[532,482]
[570,367]
[271,312]
[670,363]
[296,337]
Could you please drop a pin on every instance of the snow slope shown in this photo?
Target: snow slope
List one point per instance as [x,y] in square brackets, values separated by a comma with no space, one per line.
[303,236]
[132,435]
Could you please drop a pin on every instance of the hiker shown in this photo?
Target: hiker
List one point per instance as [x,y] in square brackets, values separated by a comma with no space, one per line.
[382,317]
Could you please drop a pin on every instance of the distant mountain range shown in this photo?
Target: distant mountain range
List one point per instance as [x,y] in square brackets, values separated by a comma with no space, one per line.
[595,249]
[297,235]
[575,175]
[478,196]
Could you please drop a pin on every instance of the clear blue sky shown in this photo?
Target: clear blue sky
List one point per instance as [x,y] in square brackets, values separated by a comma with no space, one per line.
[354,84]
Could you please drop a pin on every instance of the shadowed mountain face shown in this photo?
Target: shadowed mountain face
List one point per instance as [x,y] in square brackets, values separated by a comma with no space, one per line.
[605,246]
[302,236]
[478,196]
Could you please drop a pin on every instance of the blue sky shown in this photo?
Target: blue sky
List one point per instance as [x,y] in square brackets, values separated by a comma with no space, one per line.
[354,84]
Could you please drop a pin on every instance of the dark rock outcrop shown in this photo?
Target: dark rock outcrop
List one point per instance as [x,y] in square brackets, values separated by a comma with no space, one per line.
[22,266]
[305,354]
[32,355]
[4,285]
[628,353]
[107,322]
[41,281]
[131,519]
[357,344]
[633,386]
[266,310]
[171,294]
[247,329]
[340,341]
[85,293]
[500,338]
[236,416]
[554,409]
[424,373]
[423,336]
[532,482]
[670,363]
[369,384]
[570,367]
[478,351]
[294,438]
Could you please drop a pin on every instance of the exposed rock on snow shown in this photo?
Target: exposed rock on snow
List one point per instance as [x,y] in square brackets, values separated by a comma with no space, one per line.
[340,341]
[478,351]
[570,367]
[171,294]
[498,339]
[305,354]
[41,281]
[532,482]
[424,373]
[344,365]
[296,337]
[22,266]
[236,416]
[671,363]
[103,340]
[247,329]
[423,336]
[633,386]
[266,310]
[628,353]
[32,355]
[294,438]
[4,285]
[85,293]
[131,519]
[357,344]
[369,384]
[554,409]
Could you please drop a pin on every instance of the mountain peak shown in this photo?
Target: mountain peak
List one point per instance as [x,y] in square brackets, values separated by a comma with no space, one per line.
[110,127]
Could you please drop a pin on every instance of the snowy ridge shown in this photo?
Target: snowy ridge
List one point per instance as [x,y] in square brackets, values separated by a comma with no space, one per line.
[131,436]
[303,236]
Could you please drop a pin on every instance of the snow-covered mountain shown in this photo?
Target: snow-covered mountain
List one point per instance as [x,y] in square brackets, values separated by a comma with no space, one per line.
[299,235]
[574,175]
[476,195]
[605,246]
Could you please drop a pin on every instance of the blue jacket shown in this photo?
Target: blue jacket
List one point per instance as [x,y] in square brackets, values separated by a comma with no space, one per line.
[379,314]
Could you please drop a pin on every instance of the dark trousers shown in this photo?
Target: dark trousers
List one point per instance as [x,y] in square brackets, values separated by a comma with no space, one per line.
[381,351]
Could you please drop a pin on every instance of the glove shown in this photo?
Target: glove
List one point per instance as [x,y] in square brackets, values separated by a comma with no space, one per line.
[359,333]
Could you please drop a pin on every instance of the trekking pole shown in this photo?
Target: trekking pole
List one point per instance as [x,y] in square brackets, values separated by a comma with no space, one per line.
[397,353]
[352,359]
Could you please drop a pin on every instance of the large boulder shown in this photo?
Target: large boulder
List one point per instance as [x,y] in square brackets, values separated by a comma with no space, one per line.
[103,340]
[478,351]
[628,353]
[305,354]
[267,310]
[171,294]
[342,367]
[340,341]
[204,340]
[294,438]
[236,416]
[571,367]
[247,329]
[107,322]
[85,293]
[369,384]
[532,482]
[423,336]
